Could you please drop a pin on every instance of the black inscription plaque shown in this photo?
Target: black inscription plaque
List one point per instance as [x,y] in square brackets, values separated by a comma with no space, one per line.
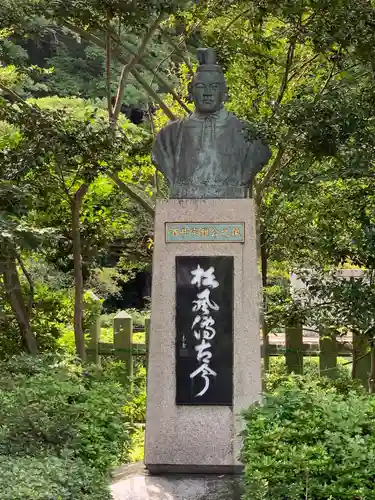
[204,331]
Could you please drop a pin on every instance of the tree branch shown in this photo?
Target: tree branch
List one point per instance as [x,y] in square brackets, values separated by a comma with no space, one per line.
[232,21]
[151,92]
[320,93]
[62,178]
[273,168]
[164,84]
[288,64]
[13,290]
[131,193]
[348,68]
[121,58]
[302,66]
[81,192]
[154,71]
[177,49]
[126,70]
[17,97]
[108,76]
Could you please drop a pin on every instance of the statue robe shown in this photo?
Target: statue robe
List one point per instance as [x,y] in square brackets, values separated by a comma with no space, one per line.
[208,157]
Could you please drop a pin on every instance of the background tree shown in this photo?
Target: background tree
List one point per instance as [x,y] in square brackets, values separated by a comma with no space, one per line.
[302,74]
[67,154]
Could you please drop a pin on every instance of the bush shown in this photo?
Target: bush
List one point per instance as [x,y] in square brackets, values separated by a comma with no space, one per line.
[53,409]
[50,320]
[50,478]
[52,316]
[342,380]
[10,338]
[138,317]
[310,442]
[135,409]
[138,400]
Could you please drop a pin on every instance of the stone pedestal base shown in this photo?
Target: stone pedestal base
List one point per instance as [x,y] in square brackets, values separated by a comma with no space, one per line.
[132,482]
[201,439]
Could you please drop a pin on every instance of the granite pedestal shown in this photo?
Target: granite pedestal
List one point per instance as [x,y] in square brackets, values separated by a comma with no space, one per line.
[194,438]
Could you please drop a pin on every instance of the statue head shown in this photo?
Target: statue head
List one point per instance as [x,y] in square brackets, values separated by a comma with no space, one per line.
[208,89]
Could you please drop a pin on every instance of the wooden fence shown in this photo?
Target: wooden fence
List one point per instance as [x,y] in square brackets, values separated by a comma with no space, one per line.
[290,344]
[327,347]
[122,347]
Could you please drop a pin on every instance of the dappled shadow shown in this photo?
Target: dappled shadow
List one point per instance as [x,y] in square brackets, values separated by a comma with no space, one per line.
[142,486]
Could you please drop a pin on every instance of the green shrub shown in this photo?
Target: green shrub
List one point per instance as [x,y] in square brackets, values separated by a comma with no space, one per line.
[138,317]
[135,408]
[65,422]
[50,405]
[10,338]
[51,319]
[310,442]
[138,396]
[52,316]
[66,343]
[342,381]
[50,478]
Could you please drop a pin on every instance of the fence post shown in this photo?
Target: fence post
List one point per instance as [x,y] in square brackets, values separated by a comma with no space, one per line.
[361,361]
[122,340]
[94,335]
[147,337]
[328,353]
[294,349]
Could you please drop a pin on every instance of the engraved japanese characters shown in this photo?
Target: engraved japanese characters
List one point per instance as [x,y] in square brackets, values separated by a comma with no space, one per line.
[204,330]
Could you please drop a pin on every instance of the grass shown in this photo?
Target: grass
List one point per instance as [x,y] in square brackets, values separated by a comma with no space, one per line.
[139,337]
[137,448]
[106,335]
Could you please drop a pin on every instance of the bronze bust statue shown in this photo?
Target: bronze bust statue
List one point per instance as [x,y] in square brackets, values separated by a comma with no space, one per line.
[208,154]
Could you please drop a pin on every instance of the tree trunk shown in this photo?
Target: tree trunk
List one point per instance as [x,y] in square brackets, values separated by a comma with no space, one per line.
[76,204]
[264,270]
[13,290]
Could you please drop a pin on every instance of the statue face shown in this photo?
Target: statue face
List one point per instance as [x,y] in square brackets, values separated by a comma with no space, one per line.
[208,91]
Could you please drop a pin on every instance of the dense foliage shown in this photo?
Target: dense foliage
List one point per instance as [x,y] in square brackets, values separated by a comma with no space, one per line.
[51,321]
[308,440]
[342,382]
[63,428]
[47,477]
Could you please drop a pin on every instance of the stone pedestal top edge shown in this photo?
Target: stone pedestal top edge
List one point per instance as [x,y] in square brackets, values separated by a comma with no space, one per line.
[206,201]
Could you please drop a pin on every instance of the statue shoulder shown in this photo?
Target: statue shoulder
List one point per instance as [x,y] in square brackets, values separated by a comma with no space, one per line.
[233,118]
[248,129]
[239,125]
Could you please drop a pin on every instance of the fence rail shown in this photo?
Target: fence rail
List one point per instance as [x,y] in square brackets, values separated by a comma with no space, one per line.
[327,348]
[290,344]
[122,347]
